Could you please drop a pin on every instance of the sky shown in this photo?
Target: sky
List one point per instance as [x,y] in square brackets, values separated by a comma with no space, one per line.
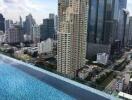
[40,9]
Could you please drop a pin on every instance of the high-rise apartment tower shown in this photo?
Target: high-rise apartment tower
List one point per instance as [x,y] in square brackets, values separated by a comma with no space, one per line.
[71,49]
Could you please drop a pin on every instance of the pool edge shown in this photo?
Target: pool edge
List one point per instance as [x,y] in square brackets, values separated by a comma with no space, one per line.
[87,88]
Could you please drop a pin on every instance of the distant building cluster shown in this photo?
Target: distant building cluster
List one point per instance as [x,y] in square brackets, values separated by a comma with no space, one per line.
[27,31]
[83,30]
[89,41]
[105,23]
[108,23]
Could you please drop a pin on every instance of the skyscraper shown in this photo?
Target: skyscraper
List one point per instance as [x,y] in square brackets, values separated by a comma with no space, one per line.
[2,23]
[55,18]
[71,49]
[47,29]
[51,16]
[56,23]
[105,24]
[103,14]
[126,27]
[15,35]
[29,22]
[8,24]
[21,23]
[35,34]
[121,23]
[130,31]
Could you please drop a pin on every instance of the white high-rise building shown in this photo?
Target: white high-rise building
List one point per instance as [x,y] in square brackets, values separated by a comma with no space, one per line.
[64,53]
[35,34]
[73,18]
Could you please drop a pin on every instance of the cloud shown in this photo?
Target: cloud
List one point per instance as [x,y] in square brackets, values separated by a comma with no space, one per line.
[40,9]
[26,5]
[10,1]
[129,6]
[12,9]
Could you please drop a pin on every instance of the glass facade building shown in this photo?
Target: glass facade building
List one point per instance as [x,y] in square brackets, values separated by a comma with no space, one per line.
[104,20]
[2,23]
[105,26]
[47,29]
[122,6]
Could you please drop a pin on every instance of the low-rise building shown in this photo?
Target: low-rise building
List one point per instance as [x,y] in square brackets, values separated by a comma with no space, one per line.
[130,86]
[120,84]
[83,74]
[45,46]
[102,58]
[18,53]
[2,37]
[27,38]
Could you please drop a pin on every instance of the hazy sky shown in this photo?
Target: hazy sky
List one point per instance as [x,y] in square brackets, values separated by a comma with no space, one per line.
[40,9]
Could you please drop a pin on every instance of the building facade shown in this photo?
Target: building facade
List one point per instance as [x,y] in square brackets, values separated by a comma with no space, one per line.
[8,24]
[130,87]
[35,34]
[29,22]
[45,46]
[2,37]
[121,23]
[15,35]
[106,22]
[55,18]
[64,53]
[130,32]
[2,23]
[120,84]
[71,50]
[51,16]
[102,58]
[47,29]
[125,41]
[104,17]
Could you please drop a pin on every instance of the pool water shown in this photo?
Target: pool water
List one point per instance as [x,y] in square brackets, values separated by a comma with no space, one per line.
[18,85]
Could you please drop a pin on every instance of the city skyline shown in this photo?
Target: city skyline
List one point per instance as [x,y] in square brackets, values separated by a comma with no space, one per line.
[64,49]
[12,9]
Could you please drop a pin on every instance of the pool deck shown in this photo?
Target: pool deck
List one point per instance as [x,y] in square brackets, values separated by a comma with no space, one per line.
[70,87]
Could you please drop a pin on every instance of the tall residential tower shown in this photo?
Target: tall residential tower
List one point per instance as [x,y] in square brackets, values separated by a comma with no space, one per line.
[71,50]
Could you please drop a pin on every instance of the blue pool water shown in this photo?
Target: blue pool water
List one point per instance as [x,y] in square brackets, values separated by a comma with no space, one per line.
[18,85]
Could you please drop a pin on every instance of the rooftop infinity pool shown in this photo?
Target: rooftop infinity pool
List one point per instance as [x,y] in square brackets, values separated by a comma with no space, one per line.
[21,81]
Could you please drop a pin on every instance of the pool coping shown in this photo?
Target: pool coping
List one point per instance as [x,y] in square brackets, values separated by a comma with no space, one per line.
[87,88]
